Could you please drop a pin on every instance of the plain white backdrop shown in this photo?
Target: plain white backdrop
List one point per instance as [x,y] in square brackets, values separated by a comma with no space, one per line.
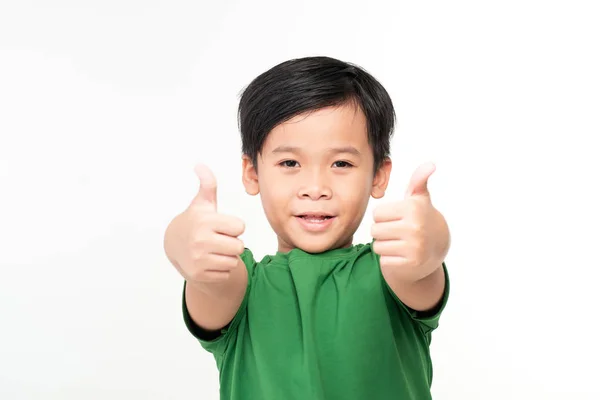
[106,106]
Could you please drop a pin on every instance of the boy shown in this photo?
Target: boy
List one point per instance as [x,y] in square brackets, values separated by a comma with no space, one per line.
[321,318]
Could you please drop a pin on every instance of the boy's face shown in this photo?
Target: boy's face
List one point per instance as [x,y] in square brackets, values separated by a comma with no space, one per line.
[315,176]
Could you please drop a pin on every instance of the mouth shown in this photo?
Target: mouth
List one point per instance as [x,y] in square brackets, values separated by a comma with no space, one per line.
[315,222]
[315,217]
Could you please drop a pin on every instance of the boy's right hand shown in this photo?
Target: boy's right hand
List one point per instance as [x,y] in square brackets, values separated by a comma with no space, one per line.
[203,244]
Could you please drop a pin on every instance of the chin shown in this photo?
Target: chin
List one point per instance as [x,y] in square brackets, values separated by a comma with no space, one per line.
[314,249]
[316,244]
[317,241]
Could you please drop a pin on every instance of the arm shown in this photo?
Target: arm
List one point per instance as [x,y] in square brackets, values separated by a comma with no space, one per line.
[213,308]
[204,247]
[412,239]
[423,295]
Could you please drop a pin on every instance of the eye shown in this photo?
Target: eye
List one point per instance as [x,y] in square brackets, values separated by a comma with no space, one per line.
[342,164]
[289,163]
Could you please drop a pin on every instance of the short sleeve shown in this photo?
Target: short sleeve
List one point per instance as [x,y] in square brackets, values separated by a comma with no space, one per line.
[216,341]
[428,321]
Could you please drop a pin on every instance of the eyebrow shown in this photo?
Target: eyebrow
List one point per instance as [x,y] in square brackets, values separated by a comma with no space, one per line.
[334,150]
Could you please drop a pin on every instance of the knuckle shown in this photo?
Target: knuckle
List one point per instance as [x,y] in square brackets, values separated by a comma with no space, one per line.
[240,226]
[199,247]
[205,237]
[241,248]
[374,230]
[225,261]
[376,214]
[377,247]
[198,255]
[232,262]
[200,242]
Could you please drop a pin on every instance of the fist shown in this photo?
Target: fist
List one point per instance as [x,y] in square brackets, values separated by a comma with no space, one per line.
[206,246]
[410,235]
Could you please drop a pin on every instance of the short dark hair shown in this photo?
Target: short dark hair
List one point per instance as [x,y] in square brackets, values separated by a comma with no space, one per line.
[307,84]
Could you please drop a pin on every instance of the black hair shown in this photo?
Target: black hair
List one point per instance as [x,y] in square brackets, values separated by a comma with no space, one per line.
[307,84]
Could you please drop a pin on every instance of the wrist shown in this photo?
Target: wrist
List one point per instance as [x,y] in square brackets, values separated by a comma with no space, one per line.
[411,276]
[206,289]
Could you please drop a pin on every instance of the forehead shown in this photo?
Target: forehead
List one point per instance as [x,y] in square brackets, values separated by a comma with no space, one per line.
[340,125]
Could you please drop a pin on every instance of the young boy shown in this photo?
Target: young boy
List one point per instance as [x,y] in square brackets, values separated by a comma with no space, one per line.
[321,318]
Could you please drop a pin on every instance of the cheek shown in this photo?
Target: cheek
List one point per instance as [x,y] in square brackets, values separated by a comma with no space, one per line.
[274,196]
[354,194]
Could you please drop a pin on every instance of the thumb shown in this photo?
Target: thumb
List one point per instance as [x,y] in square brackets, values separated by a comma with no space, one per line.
[207,194]
[417,185]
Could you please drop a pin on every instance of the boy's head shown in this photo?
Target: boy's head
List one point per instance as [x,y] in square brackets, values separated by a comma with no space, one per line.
[315,140]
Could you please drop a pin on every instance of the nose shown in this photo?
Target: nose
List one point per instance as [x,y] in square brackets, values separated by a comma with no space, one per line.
[314,187]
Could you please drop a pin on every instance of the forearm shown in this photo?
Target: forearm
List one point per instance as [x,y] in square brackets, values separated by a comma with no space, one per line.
[204,246]
[212,306]
[421,295]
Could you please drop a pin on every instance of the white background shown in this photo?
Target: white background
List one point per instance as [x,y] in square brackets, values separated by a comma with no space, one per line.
[105,107]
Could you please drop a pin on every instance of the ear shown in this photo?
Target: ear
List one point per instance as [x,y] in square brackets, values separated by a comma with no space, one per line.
[249,176]
[381,179]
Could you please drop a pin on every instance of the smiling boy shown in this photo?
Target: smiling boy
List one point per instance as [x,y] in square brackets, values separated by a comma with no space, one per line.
[321,318]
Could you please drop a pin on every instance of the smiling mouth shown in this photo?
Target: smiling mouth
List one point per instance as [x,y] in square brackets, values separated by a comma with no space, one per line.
[315,222]
[314,217]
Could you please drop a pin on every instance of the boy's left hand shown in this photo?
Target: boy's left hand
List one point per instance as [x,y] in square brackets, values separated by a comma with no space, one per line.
[410,235]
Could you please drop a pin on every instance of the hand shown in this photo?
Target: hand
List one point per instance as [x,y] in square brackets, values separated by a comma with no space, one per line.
[204,244]
[411,236]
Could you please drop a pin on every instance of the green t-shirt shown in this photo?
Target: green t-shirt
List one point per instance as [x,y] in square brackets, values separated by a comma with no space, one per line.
[322,327]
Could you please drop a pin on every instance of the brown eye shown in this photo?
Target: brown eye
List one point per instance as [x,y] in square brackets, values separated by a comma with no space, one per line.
[342,164]
[289,163]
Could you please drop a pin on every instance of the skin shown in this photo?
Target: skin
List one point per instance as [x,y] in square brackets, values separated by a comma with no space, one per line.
[412,238]
[316,163]
[323,162]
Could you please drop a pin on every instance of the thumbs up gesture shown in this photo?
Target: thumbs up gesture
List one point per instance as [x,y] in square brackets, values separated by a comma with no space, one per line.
[410,235]
[201,243]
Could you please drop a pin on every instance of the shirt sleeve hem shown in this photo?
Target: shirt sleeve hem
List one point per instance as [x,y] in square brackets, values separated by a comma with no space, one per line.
[214,341]
[428,320]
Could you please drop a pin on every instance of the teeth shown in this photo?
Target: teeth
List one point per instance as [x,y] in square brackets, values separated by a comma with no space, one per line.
[312,218]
